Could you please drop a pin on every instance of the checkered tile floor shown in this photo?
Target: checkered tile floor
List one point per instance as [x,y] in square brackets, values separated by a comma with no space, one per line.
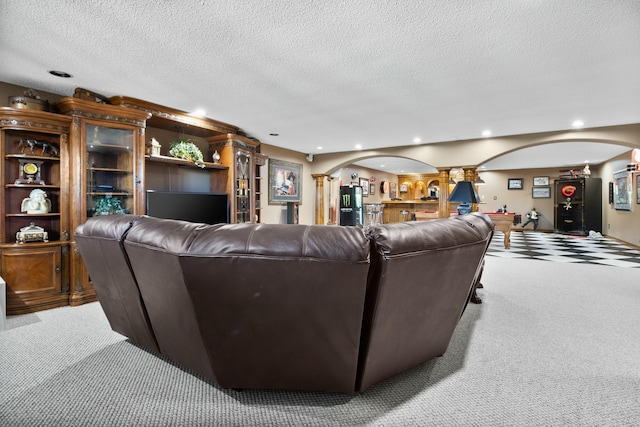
[565,248]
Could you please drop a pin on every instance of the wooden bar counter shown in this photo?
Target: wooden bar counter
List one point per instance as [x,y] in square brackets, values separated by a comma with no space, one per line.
[393,209]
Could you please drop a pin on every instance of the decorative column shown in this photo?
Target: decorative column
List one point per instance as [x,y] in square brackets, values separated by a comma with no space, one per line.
[443,205]
[319,216]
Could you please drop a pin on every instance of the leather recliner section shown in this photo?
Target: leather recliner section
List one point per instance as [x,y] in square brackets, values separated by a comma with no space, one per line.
[100,242]
[421,277]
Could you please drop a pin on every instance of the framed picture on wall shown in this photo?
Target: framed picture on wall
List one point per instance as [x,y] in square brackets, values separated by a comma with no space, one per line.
[393,190]
[364,183]
[622,190]
[372,189]
[541,193]
[540,180]
[515,184]
[638,188]
[285,182]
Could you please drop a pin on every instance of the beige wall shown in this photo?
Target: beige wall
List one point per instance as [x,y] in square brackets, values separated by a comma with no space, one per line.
[622,225]
[495,194]
[277,214]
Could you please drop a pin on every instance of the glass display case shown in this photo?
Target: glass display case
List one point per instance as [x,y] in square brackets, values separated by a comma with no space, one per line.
[107,175]
[243,185]
[110,180]
[243,182]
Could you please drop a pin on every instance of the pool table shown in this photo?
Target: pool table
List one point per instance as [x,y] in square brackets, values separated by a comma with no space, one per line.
[503,222]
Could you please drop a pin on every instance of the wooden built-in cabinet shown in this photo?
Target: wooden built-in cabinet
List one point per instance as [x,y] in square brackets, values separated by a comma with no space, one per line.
[260,160]
[242,183]
[237,173]
[107,146]
[34,147]
[90,158]
[167,173]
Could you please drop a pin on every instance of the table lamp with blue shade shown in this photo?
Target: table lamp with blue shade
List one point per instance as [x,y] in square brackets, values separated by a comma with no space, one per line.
[464,193]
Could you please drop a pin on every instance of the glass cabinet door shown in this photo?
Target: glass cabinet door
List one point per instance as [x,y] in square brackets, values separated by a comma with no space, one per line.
[110,181]
[243,186]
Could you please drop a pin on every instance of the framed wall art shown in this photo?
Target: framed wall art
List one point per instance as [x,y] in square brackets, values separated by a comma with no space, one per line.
[638,188]
[393,190]
[540,180]
[515,184]
[372,189]
[285,182]
[622,190]
[541,192]
[364,183]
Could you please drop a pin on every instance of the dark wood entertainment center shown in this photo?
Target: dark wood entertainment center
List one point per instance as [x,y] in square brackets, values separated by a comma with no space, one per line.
[98,163]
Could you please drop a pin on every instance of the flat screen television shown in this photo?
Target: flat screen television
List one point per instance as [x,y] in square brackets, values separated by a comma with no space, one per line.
[208,208]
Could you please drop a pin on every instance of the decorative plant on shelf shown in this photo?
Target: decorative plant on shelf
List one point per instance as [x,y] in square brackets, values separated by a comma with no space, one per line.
[187,150]
[108,205]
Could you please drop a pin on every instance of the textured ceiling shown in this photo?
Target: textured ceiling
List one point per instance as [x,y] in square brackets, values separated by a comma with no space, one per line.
[339,73]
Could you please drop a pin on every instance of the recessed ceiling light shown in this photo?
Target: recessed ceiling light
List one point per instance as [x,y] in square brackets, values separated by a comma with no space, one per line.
[577,123]
[358,147]
[319,147]
[60,74]
[274,134]
[417,140]
[199,112]
[381,166]
[486,132]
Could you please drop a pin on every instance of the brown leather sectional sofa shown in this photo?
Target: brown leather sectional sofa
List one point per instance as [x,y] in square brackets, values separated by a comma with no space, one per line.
[291,307]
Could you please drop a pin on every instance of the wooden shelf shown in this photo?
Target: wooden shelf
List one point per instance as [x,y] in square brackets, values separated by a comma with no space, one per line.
[28,245]
[108,193]
[182,162]
[25,215]
[52,187]
[31,157]
[109,170]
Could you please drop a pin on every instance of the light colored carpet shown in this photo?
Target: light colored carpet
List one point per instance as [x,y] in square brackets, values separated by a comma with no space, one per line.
[553,344]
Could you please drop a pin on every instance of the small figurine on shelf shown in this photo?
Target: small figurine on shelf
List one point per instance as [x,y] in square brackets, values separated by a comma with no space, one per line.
[216,157]
[32,233]
[36,203]
[532,216]
[46,147]
[155,147]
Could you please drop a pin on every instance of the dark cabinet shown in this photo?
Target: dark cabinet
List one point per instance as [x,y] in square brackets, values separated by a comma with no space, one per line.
[578,205]
[351,206]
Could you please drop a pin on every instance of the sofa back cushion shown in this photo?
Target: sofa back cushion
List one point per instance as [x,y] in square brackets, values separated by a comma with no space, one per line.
[421,277]
[270,305]
[100,242]
[154,247]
